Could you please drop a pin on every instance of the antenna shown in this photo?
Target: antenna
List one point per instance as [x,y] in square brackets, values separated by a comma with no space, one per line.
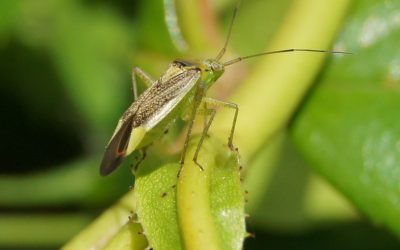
[283,51]
[223,50]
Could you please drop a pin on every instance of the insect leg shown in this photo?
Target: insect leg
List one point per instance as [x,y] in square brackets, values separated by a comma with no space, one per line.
[234,106]
[205,115]
[146,78]
[207,125]
[196,102]
[143,152]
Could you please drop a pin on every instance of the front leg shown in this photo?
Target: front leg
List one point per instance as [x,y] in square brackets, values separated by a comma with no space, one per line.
[196,102]
[146,78]
[211,113]
[207,123]
[143,154]
[218,103]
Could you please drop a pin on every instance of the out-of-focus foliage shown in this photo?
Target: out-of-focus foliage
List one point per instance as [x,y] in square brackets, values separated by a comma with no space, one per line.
[349,128]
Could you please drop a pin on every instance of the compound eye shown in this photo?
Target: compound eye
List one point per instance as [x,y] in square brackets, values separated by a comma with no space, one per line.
[182,63]
[215,66]
[176,64]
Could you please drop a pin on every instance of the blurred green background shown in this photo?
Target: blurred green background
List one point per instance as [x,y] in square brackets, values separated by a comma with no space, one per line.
[65,79]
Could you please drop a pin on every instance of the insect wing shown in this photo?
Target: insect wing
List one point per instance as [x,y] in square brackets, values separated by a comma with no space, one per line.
[146,113]
[174,91]
[116,148]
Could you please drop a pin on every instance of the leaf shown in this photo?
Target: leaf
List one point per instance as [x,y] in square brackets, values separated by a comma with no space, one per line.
[204,210]
[349,128]
[156,205]
[285,195]
[152,28]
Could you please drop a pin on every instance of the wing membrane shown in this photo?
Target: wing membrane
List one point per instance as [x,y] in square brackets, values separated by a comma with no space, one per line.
[116,149]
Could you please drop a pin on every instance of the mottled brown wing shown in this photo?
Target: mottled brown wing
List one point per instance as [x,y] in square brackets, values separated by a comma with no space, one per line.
[150,108]
[163,97]
[116,148]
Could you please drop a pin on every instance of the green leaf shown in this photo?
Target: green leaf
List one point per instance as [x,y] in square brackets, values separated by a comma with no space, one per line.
[349,128]
[156,205]
[152,28]
[204,210]
[285,195]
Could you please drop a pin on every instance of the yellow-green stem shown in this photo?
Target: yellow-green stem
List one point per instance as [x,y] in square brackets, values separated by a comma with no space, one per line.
[193,202]
[269,96]
[104,228]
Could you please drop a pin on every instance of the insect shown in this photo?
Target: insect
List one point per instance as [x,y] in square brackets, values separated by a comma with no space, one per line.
[178,93]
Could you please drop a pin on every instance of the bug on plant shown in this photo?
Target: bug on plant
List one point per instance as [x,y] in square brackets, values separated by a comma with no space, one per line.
[179,92]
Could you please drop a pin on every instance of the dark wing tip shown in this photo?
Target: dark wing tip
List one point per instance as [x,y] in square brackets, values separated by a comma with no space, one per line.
[109,164]
[116,149]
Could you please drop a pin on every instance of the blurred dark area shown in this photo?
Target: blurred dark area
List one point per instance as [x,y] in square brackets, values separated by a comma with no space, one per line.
[39,127]
[344,236]
[126,8]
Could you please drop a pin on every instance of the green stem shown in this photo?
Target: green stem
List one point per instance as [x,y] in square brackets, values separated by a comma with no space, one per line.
[270,95]
[193,201]
[104,228]
[198,24]
[210,203]
[130,237]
